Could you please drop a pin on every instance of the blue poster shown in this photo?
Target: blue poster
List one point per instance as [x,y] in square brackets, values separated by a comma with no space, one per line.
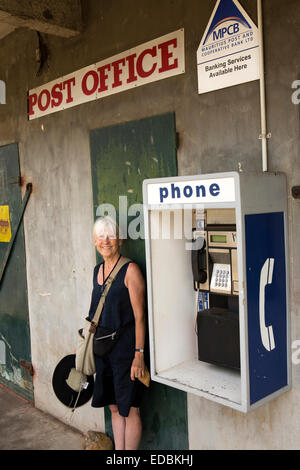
[266,300]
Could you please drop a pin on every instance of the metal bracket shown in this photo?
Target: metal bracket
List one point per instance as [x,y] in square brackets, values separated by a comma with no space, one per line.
[10,245]
[265,136]
[28,366]
[18,181]
[296,192]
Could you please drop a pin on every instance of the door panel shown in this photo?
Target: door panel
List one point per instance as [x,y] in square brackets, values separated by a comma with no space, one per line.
[14,317]
[122,157]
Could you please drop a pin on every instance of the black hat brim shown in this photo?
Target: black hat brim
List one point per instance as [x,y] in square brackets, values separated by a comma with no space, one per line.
[64,393]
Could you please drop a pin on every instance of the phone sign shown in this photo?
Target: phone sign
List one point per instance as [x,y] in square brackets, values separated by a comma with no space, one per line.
[191,192]
[266,294]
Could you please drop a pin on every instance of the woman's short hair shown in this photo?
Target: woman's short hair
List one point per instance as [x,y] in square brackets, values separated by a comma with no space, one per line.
[108,225]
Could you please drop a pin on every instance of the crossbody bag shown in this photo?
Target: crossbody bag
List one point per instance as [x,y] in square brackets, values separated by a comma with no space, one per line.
[85,361]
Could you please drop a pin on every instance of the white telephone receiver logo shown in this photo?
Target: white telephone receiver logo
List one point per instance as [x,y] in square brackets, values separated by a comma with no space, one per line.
[266,332]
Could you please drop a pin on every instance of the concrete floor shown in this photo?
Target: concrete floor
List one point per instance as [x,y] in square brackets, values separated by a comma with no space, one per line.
[23,427]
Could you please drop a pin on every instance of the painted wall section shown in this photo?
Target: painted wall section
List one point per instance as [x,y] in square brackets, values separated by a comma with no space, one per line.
[217,132]
[14,318]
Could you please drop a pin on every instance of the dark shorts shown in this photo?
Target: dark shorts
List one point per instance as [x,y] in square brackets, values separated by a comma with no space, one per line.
[113,386]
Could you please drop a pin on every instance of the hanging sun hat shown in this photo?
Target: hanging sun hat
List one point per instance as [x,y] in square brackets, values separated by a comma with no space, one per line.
[66,385]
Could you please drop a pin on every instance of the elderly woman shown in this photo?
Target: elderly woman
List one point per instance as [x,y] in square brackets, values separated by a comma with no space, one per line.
[117,374]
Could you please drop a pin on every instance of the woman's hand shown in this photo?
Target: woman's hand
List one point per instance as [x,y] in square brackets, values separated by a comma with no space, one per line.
[138,366]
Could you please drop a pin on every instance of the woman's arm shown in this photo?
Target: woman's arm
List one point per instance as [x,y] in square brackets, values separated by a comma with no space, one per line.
[135,283]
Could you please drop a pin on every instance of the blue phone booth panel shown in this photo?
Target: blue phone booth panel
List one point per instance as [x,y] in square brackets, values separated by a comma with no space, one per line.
[266,301]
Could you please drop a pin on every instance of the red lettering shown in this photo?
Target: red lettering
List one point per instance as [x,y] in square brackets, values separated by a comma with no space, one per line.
[166,56]
[117,72]
[103,77]
[43,107]
[139,64]
[84,87]
[32,100]
[70,82]
[57,95]
[131,75]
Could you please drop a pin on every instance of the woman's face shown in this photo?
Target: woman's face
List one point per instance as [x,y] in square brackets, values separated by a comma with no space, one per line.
[107,243]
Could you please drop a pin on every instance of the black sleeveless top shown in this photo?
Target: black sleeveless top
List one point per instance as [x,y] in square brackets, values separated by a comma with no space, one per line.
[117,310]
[113,384]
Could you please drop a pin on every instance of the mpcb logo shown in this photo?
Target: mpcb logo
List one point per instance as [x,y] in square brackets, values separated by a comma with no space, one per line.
[230,30]
[226,28]
[2,92]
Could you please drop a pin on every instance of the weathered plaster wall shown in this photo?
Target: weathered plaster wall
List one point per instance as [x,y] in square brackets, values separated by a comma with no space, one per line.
[61,18]
[218,132]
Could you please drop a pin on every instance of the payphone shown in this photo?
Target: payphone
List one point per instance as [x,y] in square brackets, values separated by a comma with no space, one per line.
[215,272]
[218,305]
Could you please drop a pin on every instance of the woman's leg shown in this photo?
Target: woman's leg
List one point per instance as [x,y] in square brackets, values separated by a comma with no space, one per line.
[118,425]
[133,429]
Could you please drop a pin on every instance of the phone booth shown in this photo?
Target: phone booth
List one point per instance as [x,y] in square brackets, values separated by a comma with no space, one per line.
[217,276]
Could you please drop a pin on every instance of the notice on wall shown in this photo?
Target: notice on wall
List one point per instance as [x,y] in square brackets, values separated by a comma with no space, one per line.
[229,50]
[149,62]
[5,227]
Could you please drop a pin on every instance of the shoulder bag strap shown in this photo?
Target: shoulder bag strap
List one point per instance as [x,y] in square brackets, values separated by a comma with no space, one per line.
[109,282]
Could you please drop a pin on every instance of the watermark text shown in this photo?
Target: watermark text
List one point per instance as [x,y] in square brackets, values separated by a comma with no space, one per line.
[2,92]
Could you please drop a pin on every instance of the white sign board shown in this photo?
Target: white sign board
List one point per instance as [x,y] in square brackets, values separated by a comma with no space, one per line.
[229,50]
[149,62]
[192,192]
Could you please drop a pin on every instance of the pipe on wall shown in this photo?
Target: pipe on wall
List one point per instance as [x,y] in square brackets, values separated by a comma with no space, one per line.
[264,135]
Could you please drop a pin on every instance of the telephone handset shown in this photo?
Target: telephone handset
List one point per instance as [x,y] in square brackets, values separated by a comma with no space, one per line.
[266,332]
[199,265]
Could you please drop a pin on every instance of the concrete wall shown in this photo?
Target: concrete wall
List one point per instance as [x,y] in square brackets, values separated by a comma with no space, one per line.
[61,18]
[218,132]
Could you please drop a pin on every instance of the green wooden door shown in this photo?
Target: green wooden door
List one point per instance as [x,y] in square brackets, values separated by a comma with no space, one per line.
[122,157]
[14,317]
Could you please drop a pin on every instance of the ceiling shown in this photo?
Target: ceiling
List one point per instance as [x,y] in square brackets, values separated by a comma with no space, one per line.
[61,25]
[5,28]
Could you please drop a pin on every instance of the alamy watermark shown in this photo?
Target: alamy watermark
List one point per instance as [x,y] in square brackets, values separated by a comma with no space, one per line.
[295,352]
[2,92]
[296,94]
[175,224]
[2,353]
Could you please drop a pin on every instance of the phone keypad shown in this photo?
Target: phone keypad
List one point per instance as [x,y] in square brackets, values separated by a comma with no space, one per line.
[221,278]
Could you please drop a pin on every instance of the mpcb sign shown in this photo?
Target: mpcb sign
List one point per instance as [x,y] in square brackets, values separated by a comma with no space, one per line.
[229,51]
